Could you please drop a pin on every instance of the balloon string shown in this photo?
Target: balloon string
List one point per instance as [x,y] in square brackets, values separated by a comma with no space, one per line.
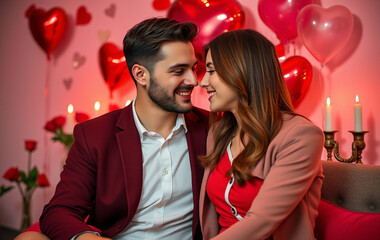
[320,76]
[46,138]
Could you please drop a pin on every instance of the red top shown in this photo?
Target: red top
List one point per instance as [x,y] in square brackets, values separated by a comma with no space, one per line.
[239,197]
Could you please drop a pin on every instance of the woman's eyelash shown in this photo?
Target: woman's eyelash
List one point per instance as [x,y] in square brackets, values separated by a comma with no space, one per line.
[210,71]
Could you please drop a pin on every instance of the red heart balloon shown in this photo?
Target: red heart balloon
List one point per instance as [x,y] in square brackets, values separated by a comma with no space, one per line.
[48,28]
[113,66]
[161,4]
[298,74]
[213,18]
[281,16]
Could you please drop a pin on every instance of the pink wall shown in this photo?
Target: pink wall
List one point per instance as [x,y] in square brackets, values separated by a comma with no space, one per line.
[24,70]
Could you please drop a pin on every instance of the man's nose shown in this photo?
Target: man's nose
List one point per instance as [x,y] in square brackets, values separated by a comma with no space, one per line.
[191,79]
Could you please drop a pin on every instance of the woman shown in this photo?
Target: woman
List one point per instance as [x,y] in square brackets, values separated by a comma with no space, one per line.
[263,172]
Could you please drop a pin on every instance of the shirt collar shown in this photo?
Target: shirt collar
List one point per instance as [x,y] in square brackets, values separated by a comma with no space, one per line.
[180,122]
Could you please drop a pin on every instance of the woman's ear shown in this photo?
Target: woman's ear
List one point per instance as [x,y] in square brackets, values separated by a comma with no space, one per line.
[141,74]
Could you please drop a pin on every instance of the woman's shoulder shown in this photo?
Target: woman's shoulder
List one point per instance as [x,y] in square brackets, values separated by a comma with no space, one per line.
[290,120]
[299,125]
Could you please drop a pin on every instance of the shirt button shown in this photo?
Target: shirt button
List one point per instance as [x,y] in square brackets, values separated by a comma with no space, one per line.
[233,211]
[165,171]
[151,230]
[159,205]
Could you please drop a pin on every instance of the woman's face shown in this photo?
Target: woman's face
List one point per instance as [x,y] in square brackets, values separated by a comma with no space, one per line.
[222,98]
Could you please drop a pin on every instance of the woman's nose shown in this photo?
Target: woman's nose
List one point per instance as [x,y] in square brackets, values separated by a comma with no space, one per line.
[204,82]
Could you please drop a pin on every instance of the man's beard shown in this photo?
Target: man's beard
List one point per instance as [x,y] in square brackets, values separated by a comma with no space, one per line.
[160,96]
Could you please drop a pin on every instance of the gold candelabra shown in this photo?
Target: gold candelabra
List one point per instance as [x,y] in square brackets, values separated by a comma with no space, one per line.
[358,146]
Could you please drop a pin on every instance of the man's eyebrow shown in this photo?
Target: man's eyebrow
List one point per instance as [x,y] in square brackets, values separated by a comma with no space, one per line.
[179,65]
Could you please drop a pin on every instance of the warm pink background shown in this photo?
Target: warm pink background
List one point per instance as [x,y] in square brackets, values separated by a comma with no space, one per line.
[24,68]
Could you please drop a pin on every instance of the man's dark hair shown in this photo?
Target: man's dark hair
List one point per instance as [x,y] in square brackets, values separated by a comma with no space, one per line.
[142,42]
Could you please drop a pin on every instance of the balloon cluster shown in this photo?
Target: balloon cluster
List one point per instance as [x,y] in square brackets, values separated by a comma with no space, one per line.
[48,29]
[324,32]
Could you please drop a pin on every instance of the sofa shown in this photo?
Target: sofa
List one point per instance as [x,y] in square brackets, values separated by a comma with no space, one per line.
[350,202]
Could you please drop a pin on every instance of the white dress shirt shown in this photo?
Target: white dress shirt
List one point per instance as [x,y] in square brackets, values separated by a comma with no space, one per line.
[166,206]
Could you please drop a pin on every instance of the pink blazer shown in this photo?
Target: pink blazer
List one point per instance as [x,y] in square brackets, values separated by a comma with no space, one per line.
[286,206]
[103,175]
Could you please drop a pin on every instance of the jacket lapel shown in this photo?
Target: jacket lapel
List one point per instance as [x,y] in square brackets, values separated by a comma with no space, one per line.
[196,142]
[130,151]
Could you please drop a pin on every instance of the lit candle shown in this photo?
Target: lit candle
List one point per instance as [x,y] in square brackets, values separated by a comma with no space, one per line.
[328,124]
[358,115]
[97,108]
[70,111]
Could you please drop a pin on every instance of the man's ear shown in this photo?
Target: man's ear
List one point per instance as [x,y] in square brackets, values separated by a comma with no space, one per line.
[141,74]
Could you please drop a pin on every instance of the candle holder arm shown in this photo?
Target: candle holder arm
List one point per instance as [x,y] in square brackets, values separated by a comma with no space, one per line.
[354,153]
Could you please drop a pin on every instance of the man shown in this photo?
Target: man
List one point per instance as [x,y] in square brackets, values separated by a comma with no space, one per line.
[135,171]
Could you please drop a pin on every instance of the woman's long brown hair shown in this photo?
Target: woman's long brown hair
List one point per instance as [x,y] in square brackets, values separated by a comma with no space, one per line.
[246,61]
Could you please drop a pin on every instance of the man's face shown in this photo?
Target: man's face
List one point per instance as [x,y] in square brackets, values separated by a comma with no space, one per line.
[173,78]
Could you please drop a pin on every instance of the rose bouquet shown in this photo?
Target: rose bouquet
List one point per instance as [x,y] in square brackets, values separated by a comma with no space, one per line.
[26,182]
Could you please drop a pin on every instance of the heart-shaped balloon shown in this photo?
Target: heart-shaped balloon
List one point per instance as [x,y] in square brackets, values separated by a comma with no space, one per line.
[213,18]
[281,16]
[324,32]
[113,66]
[48,28]
[298,74]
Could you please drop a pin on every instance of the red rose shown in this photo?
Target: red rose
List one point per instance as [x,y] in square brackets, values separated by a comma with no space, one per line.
[42,180]
[81,117]
[59,121]
[12,174]
[30,145]
[49,126]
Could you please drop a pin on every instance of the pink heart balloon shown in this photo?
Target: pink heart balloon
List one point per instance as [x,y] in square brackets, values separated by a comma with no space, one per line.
[281,16]
[298,74]
[324,32]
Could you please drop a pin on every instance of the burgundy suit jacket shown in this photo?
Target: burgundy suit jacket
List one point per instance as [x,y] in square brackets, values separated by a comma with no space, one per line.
[103,174]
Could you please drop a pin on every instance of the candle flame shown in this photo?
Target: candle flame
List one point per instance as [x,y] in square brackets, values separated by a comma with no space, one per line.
[357,99]
[70,108]
[97,106]
[128,102]
[328,101]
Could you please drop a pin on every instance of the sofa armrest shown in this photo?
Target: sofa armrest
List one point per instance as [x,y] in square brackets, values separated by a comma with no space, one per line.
[355,187]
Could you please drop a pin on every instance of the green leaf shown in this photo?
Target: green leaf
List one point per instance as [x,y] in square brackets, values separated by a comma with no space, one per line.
[33,174]
[56,138]
[32,178]
[4,189]
[23,176]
